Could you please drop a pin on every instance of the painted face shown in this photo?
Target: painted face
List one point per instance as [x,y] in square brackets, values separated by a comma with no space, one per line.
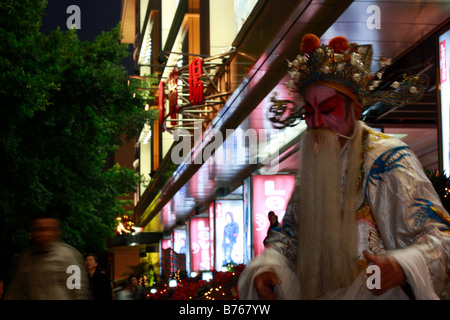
[327,108]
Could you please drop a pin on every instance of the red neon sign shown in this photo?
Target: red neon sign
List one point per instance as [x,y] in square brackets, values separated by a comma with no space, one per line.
[173,94]
[196,95]
[195,84]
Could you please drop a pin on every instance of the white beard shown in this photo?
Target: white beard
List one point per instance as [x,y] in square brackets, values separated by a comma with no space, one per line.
[326,202]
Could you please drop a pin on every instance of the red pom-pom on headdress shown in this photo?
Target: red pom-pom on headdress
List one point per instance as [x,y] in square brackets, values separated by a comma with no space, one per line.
[310,42]
[338,44]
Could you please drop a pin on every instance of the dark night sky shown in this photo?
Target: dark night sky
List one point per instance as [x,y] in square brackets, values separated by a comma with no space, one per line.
[96,16]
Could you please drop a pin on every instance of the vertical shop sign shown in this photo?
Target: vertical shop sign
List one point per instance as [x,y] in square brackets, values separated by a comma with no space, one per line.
[195,84]
[173,94]
[270,193]
[161,101]
[200,244]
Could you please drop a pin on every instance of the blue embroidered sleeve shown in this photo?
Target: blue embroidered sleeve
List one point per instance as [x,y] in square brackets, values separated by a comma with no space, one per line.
[408,211]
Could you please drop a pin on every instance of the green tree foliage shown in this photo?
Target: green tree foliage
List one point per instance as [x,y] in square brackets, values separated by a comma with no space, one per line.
[65,105]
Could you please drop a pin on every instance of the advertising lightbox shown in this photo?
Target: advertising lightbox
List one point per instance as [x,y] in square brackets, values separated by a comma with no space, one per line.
[229,235]
[269,193]
[200,257]
[444,98]
[179,241]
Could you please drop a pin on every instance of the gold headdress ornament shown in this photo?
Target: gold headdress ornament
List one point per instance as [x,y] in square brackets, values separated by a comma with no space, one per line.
[345,67]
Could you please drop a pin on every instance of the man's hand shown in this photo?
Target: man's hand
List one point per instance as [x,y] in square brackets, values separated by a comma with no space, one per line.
[265,284]
[391,273]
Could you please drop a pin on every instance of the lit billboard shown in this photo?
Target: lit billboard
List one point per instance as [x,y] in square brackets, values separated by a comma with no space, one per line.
[200,257]
[179,241]
[444,98]
[269,193]
[229,235]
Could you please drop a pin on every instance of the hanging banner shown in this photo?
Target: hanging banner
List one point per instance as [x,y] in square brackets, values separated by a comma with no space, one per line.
[269,193]
[200,244]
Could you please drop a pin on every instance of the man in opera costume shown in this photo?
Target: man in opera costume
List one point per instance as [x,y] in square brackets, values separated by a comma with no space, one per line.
[361,197]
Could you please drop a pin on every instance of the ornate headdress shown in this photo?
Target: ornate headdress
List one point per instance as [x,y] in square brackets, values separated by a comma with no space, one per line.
[345,67]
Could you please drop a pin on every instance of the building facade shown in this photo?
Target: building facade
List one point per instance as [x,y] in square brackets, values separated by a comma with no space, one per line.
[215,163]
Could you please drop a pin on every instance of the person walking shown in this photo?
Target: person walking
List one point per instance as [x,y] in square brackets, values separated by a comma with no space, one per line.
[50,269]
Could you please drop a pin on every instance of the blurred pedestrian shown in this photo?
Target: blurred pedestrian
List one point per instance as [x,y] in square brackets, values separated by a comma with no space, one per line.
[50,269]
[137,291]
[132,290]
[125,293]
[99,283]
[273,224]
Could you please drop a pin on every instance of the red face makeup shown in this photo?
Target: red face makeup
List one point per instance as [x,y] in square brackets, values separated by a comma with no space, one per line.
[326,108]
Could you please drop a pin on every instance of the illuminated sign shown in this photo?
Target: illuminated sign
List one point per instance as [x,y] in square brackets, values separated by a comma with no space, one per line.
[269,193]
[173,94]
[444,58]
[195,83]
[193,93]
[200,244]
[179,241]
[229,232]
